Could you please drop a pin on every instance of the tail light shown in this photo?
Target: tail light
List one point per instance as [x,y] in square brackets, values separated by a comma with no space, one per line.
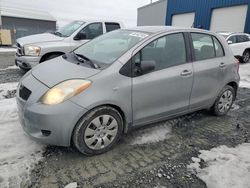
[238,64]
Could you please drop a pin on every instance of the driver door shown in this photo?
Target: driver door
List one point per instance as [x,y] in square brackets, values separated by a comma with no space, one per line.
[166,90]
[89,32]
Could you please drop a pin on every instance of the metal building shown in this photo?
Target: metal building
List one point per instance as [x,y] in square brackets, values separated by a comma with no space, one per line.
[216,15]
[152,14]
[26,22]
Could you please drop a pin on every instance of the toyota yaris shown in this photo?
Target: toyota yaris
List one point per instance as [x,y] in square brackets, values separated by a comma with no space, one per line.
[125,79]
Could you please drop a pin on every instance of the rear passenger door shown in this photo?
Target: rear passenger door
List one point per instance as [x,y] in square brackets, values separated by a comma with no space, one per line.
[210,66]
[166,90]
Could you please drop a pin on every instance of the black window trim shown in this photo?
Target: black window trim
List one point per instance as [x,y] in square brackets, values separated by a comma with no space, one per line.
[193,50]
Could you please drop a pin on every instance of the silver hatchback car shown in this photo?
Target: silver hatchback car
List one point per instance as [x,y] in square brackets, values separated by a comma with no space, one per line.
[124,79]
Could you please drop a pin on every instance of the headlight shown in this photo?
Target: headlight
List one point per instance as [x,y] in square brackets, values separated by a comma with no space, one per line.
[65,91]
[32,50]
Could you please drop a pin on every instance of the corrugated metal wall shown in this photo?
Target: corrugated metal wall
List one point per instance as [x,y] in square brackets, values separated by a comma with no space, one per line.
[203,10]
[25,27]
[152,14]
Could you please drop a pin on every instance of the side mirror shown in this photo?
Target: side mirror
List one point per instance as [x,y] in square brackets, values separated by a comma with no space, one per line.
[230,42]
[145,67]
[80,36]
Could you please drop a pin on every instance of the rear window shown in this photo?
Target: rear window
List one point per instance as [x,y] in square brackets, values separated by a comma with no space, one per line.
[112,26]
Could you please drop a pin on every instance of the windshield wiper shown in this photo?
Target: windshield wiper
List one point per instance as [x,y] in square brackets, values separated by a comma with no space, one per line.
[57,33]
[84,59]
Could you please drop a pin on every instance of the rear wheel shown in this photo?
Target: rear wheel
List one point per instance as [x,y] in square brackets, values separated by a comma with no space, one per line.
[224,101]
[246,56]
[98,131]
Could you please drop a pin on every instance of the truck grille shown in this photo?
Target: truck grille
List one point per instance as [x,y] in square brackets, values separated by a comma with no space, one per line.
[24,92]
[19,51]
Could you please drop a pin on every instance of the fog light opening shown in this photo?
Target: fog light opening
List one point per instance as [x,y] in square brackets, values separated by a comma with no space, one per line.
[46,132]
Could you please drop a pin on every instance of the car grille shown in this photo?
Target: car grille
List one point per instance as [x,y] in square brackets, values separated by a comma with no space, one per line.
[19,51]
[24,92]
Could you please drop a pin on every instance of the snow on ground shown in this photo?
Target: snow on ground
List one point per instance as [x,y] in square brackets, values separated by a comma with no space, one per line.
[225,167]
[245,75]
[71,185]
[10,67]
[7,49]
[153,134]
[6,88]
[18,152]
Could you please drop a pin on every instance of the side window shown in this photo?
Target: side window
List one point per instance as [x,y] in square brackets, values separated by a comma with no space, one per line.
[112,26]
[166,51]
[203,46]
[218,48]
[92,30]
[233,39]
[243,38]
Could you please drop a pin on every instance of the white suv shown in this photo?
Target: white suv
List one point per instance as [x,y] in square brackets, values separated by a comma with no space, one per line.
[239,43]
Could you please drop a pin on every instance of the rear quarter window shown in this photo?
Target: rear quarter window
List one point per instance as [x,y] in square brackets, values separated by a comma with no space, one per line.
[219,51]
[112,26]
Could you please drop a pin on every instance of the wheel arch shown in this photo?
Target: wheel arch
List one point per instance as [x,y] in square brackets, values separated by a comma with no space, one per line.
[121,112]
[234,85]
[43,58]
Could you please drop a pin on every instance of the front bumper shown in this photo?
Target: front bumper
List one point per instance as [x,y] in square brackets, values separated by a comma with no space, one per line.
[49,124]
[26,62]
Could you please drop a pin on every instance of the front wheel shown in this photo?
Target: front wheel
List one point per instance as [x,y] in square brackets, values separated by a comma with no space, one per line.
[246,56]
[98,131]
[224,101]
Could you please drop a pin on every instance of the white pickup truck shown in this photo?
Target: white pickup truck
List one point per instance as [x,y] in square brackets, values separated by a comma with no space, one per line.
[34,49]
[239,43]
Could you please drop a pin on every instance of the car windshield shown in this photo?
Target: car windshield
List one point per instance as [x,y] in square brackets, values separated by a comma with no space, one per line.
[107,48]
[69,29]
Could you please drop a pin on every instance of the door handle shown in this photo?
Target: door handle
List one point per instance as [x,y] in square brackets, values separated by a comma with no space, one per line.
[186,73]
[222,65]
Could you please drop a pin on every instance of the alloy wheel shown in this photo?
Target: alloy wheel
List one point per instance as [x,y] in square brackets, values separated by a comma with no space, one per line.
[246,56]
[225,101]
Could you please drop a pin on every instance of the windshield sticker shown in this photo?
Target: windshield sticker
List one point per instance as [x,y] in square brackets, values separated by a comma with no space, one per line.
[140,35]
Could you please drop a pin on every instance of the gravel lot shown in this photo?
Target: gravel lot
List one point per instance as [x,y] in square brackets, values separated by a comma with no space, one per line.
[154,156]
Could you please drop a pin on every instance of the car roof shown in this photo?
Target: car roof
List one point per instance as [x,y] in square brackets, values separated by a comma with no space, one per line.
[95,20]
[158,29]
[231,33]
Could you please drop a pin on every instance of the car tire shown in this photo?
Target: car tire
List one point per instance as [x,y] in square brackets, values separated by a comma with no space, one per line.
[23,71]
[224,101]
[246,56]
[98,131]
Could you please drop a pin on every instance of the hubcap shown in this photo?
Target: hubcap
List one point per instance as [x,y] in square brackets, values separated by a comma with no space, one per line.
[225,101]
[100,132]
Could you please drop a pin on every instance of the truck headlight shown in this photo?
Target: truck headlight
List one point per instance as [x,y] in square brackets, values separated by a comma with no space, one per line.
[65,91]
[32,50]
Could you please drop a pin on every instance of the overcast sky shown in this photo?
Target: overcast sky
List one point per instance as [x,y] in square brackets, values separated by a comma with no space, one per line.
[67,10]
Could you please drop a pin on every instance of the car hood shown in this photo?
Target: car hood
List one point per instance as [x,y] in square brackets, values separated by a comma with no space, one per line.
[57,70]
[39,38]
